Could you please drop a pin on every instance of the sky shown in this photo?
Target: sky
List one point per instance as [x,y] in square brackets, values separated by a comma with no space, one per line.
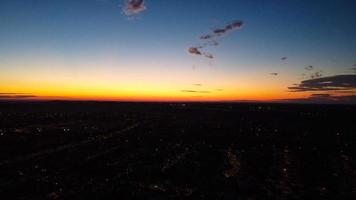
[153,50]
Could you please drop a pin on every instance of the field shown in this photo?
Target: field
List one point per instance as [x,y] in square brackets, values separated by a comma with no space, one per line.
[107,150]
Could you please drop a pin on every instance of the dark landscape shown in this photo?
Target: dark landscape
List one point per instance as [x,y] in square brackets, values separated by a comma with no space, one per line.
[107,150]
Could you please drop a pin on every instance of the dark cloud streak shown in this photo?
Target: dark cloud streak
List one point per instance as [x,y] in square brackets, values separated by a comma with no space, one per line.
[221,31]
[16,96]
[331,83]
[324,99]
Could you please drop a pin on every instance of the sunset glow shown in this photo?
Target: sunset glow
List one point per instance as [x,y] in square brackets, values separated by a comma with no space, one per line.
[90,50]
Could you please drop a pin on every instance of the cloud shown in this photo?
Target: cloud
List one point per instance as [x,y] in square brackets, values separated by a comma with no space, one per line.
[331,83]
[210,43]
[15,95]
[312,73]
[198,84]
[316,75]
[206,37]
[309,68]
[195,91]
[274,74]
[7,93]
[19,96]
[234,25]
[346,99]
[213,43]
[194,51]
[208,55]
[284,58]
[133,7]
[324,99]
[221,31]
[210,39]
[320,95]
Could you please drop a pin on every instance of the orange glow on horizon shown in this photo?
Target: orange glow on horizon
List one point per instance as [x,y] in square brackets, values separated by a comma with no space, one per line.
[159,85]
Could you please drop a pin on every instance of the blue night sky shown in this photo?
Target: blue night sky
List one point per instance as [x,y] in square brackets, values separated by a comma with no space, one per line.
[58,46]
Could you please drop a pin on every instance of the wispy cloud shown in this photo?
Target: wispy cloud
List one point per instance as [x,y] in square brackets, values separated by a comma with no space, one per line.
[311,72]
[208,55]
[274,74]
[210,39]
[316,74]
[133,7]
[196,91]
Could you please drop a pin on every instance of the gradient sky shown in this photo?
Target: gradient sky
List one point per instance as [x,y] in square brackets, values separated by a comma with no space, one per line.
[88,49]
